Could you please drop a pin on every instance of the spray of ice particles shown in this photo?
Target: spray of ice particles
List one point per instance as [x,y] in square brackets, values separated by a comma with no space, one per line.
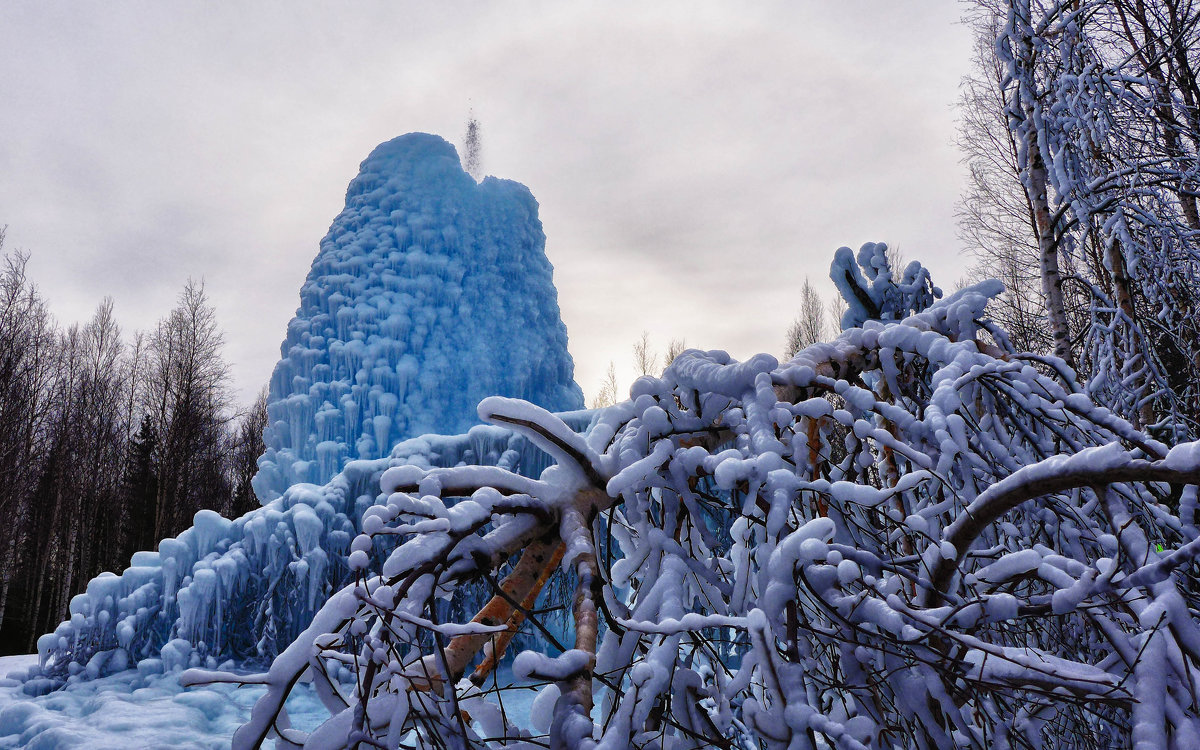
[430,292]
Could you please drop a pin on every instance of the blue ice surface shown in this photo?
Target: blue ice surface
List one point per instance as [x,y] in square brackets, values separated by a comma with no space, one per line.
[431,291]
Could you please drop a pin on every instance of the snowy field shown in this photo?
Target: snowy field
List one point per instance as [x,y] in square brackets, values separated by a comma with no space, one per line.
[127,711]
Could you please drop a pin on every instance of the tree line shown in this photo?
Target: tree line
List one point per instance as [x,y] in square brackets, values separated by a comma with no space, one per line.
[646,361]
[108,444]
[1080,126]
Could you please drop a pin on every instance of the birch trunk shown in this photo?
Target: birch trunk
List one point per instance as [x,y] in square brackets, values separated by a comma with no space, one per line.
[1056,312]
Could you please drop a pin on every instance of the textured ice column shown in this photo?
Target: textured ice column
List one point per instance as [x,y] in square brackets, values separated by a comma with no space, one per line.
[430,292]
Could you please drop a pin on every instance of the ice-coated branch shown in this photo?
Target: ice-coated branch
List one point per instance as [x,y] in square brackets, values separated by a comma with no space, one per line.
[523,584]
[1091,467]
[546,431]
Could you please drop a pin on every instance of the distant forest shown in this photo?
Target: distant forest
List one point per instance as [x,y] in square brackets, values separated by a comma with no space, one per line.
[108,444]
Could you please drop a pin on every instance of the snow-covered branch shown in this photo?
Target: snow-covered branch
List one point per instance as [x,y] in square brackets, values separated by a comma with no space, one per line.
[848,550]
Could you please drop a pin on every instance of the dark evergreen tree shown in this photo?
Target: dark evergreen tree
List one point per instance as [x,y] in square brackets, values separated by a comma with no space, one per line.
[140,485]
[246,445]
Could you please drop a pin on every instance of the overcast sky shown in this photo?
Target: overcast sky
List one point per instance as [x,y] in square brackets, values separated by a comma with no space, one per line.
[694,161]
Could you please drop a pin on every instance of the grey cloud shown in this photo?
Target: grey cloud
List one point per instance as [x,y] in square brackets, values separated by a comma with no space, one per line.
[682,153]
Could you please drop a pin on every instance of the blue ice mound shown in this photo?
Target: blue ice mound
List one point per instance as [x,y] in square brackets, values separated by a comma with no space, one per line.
[238,592]
[430,292]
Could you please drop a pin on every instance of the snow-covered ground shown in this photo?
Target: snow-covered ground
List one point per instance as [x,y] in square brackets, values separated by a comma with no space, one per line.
[129,711]
[125,711]
[20,662]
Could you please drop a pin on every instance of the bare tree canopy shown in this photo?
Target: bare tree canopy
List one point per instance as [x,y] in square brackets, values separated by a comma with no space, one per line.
[810,325]
[107,445]
[645,359]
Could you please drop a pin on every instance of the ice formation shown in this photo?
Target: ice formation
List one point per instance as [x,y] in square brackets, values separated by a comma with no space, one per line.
[430,292]
[240,591]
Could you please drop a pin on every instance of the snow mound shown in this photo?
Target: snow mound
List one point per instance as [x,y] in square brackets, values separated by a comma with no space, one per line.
[430,292]
[130,711]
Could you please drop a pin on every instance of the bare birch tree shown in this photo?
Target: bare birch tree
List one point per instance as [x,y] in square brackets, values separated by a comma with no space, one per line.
[810,325]
[645,359]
